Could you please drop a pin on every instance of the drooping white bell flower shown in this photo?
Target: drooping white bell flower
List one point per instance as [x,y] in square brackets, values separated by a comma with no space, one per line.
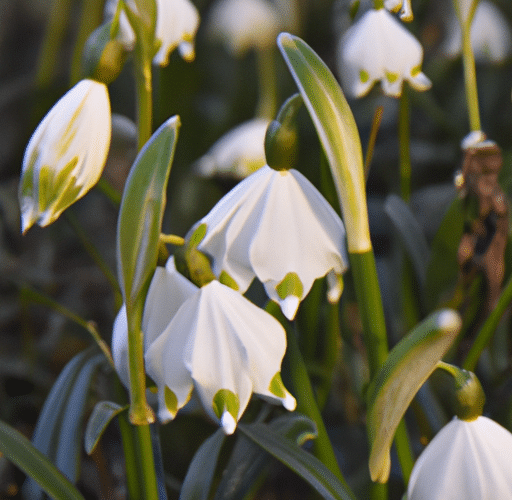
[167,292]
[491,38]
[404,6]
[466,459]
[224,346]
[379,47]
[276,225]
[66,154]
[236,154]
[176,26]
[245,24]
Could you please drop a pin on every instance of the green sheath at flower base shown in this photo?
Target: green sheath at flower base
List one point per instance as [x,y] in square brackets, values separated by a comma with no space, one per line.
[391,391]
[281,137]
[138,235]
[338,134]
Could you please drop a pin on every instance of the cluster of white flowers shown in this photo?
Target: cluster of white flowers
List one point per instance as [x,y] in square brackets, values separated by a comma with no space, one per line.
[274,226]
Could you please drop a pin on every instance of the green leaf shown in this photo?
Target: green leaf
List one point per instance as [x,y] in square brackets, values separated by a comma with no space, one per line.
[248,460]
[100,418]
[297,459]
[406,368]
[138,235]
[58,431]
[337,131]
[443,267]
[198,481]
[411,235]
[20,451]
[141,212]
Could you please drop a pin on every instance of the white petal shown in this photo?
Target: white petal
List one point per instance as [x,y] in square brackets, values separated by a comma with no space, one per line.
[120,346]
[176,22]
[238,153]
[245,24]
[467,460]
[230,226]
[377,46]
[289,305]
[76,131]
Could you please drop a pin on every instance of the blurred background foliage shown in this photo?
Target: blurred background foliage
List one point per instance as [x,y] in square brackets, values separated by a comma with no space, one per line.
[212,95]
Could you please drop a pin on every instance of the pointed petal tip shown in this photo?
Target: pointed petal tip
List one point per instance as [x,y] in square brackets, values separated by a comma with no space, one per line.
[228,423]
[449,320]
[289,402]
[289,306]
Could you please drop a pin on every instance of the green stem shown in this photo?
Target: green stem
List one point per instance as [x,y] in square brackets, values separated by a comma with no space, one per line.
[143,83]
[489,327]
[377,119]
[369,299]
[95,255]
[146,462]
[90,18]
[364,272]
[404,138]
[306,404]
[469,67]
[53,38]
[267,101]
[133,480]
[28,294]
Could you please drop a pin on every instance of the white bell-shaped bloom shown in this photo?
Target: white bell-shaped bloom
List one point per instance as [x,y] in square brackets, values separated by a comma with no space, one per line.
[379,47]
[167,292]
[245,24]
[469,460]
[491,37]
[224,346]
[404,6]
[176,26]
[238,153]
[66,154]
[276,225]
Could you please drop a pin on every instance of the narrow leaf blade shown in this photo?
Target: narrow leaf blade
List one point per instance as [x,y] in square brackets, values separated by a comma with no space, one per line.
[297,459]
[100,418]
[19,450]
[407,367]
[337,131]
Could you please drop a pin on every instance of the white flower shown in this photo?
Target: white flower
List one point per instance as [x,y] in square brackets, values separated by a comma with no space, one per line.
[378,47]
[491,38]
[278,227]
[245,24]
[176,26]
[465,460]
[404,6]
[168,290]
[66,154]
[238,153]
[224,346]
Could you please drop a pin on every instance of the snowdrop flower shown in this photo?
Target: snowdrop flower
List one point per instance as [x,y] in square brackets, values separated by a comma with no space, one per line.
[466,459]
[167,292]
[227,348]
[176,26]
[275,225]
[245,24]
[238,153]
[404,6]
[491,38]
[66,154]
[378,47]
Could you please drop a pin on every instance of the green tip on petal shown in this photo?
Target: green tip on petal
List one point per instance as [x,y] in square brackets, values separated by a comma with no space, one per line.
[198,235]
[364,76]
[226,406]
[171,401]
[227,280]
[391,77]
[291,285]
[278,389]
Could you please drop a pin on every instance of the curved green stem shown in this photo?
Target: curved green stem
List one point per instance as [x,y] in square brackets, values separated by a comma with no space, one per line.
[306,404]
[489,327]
[267,100]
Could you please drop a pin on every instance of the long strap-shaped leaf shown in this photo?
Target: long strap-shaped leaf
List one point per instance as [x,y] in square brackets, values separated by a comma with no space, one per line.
[337,131]
[19,450]
[299,460]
